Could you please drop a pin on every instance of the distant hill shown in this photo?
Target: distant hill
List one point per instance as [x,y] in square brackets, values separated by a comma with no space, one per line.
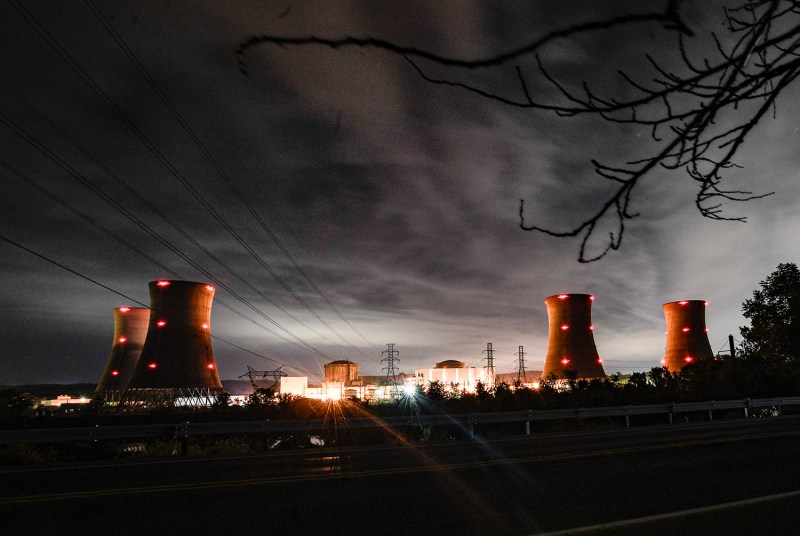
[76,390]
[52,390]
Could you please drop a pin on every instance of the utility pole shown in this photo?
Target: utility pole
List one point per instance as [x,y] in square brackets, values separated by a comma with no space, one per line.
[730,343]
[489,368]
[391,371]
[521,376]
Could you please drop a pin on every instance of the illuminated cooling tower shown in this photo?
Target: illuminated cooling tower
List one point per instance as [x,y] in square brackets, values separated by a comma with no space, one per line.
[687,336]
[130,330]
[571,342]
[177,364]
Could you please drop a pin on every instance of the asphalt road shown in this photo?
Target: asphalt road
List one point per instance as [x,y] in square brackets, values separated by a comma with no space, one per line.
[731,477]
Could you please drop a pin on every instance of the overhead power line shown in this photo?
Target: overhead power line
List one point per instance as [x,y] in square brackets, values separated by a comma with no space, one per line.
[211,159]
[123,117]
[133,300]
[82,179]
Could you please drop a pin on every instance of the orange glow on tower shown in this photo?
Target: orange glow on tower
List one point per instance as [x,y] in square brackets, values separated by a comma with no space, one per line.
[687,336]
[571,341]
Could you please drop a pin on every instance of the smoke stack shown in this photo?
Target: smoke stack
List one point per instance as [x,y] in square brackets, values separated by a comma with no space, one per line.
[130,330]
[177,360]
[687,336]
[571,341]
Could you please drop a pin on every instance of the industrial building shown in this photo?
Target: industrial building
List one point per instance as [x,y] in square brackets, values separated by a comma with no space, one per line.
[570,344]
[453,375]
[687,335]
[176,366]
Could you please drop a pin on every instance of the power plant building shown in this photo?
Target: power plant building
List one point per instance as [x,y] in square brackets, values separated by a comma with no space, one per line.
[687,335]
[176,366]
[570,345]
[343,371]
[453,375]
[130,332]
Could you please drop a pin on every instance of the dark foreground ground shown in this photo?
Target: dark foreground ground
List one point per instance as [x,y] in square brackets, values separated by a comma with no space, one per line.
[733,477]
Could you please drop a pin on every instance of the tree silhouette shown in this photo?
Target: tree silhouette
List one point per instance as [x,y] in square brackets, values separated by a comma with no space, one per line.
[774,313]
[699,107]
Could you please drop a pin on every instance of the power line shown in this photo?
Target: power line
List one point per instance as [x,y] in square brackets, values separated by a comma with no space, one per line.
[118,293]
[105,197]
[123,117]
[210,157]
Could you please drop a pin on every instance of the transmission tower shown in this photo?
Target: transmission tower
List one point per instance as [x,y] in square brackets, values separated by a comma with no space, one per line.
[489,368]
[521,376]
[391,371]
[252,373]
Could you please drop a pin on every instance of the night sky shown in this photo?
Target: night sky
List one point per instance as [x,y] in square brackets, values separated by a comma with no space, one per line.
[398,198]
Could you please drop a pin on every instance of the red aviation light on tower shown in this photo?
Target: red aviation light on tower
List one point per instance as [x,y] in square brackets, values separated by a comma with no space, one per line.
[563,296]
[564,327]
[565,361]
[591,298]
[123,340]
[161,323]
[204,326]
[687,334]
[124,310]
[591,328]
[163,283]
[152,366]
[210,288]
[115,373]
[210,366]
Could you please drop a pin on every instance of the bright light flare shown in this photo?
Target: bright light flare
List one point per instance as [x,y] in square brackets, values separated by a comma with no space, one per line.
[688,359]
[124,310]
[682,302]
[163,283]
[123,340]
[685,330]
[210,366]
[410,390]
[152,365]
[564,327]
[161,323]
[204,326]
[564,361]
[563,296]
[115,373]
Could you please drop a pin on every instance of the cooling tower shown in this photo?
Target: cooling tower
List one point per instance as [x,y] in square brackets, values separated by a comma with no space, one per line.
[130,330]
[177,361]
[571,341]
[687,336]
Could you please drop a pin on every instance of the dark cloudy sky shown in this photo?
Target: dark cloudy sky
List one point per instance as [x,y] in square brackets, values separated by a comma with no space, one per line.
[398,198]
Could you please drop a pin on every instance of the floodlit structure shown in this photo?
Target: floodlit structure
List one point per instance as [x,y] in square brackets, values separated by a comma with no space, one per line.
[687,335]
[453,375]
[570,345]
[343,371]
[177,366]
[130,331]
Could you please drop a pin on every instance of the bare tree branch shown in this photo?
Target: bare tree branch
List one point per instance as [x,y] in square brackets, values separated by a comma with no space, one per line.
[698,118]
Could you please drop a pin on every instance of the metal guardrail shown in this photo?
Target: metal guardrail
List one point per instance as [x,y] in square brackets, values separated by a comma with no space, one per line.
[468,421]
